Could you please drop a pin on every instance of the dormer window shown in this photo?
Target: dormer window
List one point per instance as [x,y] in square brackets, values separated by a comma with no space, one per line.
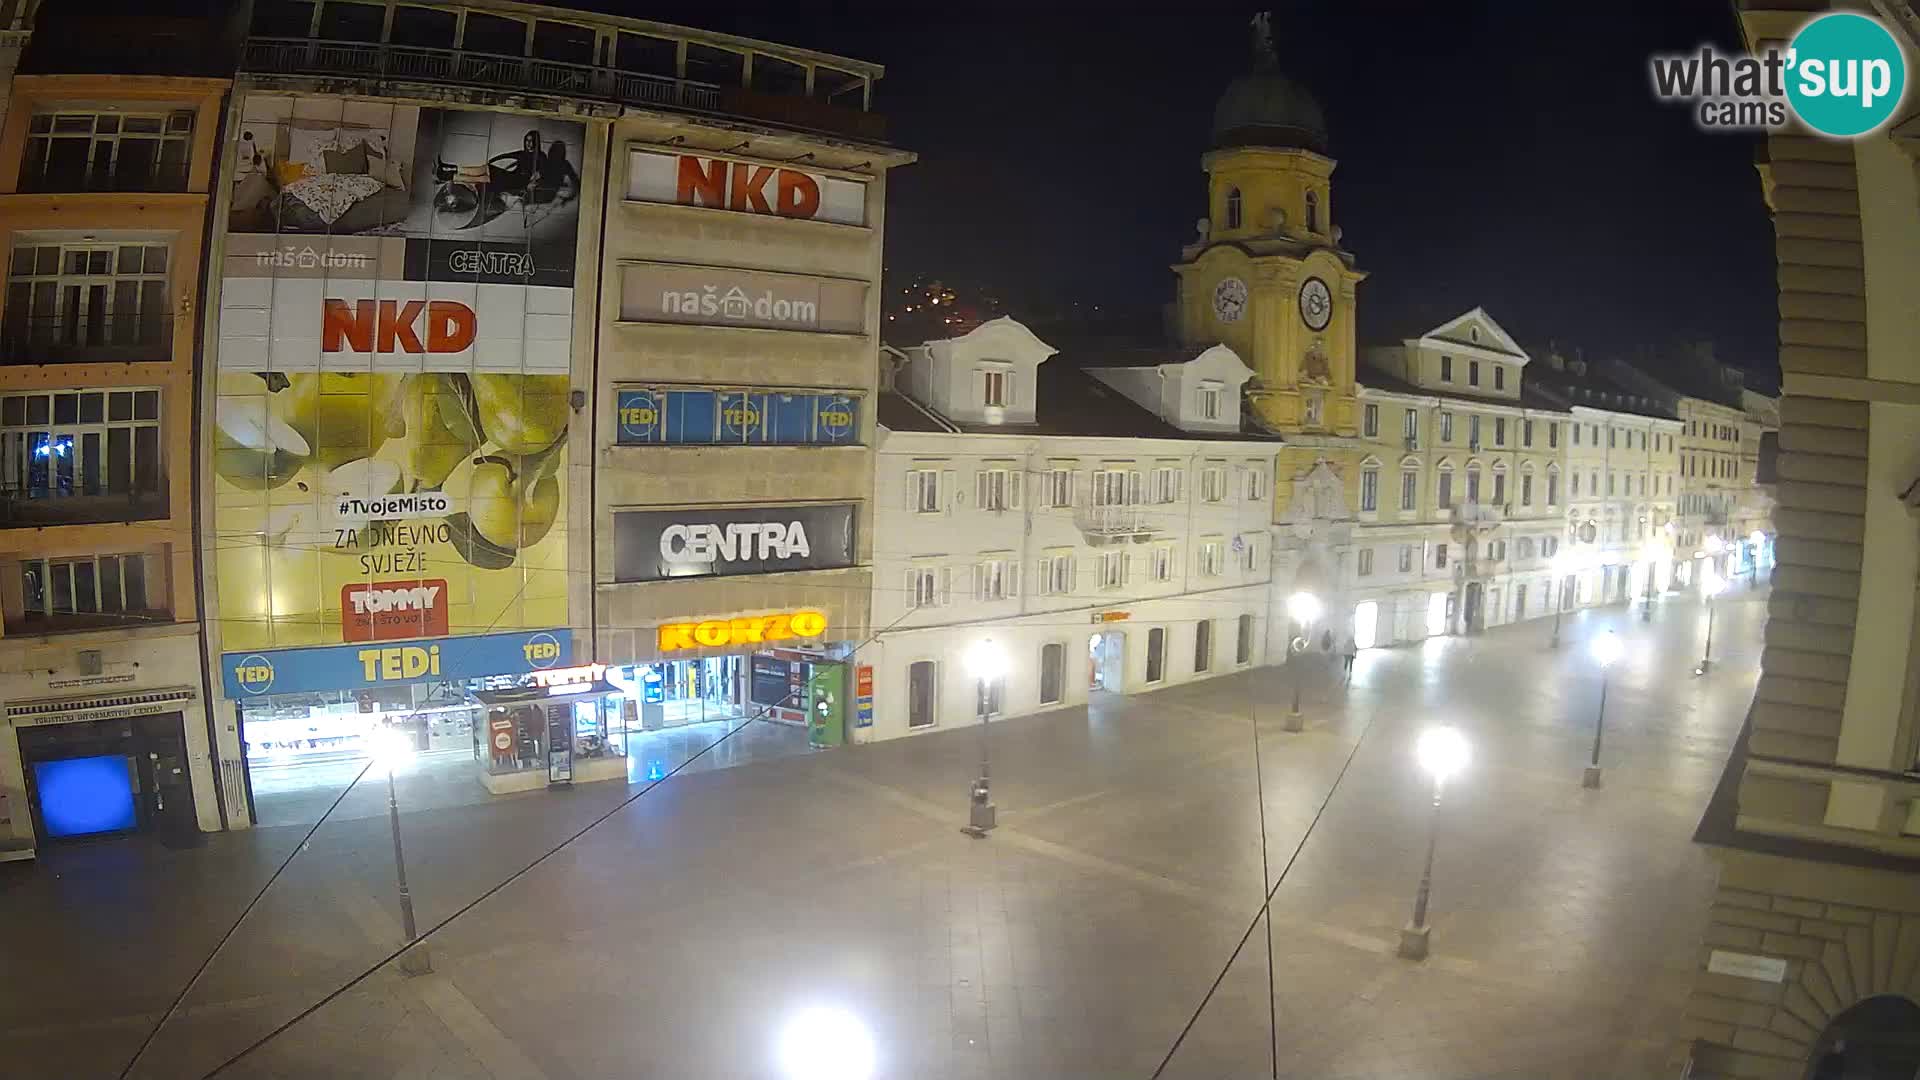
[1313,212]
[996,387]
[1473,333]
[1233,208]
[1209,404]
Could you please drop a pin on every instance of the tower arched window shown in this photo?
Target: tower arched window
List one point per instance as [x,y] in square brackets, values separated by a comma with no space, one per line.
[1233,208]
[1313,211]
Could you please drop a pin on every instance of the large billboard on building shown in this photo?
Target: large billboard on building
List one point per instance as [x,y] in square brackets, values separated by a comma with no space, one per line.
[744,186]
[394,366]
[728,296]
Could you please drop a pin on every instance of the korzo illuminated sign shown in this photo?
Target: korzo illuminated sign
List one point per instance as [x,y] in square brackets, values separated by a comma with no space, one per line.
[752,630]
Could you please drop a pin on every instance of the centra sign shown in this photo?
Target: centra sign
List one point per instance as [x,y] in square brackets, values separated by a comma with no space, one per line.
[752,630]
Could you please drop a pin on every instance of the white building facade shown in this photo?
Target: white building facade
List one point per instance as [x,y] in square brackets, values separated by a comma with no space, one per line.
[1014,507]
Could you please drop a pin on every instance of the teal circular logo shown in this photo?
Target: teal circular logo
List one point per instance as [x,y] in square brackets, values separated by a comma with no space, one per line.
[1845,75]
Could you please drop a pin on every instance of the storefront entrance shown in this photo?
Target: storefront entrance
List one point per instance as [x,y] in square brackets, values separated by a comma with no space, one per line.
[1106,661]
[109,777]
[675,693]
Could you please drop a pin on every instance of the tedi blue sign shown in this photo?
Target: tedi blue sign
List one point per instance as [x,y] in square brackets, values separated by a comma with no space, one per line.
[358,667]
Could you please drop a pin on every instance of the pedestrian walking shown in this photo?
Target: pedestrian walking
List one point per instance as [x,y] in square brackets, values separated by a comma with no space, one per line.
[1352,650]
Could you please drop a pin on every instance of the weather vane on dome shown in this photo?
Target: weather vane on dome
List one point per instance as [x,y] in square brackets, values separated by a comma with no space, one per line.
[1262,24]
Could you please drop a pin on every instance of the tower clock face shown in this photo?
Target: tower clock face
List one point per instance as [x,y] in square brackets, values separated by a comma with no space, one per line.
[1230,299]
[1316,304]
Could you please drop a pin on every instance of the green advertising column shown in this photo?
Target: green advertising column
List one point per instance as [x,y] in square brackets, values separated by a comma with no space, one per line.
[827,704]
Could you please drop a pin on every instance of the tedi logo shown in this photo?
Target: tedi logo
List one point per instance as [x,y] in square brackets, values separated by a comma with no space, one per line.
[1842,75]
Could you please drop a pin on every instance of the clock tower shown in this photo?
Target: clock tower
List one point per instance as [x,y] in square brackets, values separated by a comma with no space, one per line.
[1266,275]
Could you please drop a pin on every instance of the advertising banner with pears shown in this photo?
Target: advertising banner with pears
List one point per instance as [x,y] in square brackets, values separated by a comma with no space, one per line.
[394,363]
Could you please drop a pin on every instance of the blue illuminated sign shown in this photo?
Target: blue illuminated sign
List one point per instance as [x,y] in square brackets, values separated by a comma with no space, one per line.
[736,418]
[83,796]
[358,667]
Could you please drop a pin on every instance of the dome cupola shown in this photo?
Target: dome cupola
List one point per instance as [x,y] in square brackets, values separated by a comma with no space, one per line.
[1265,108]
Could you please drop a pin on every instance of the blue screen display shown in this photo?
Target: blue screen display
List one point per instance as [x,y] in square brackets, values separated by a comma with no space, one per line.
[82,796]
[737,418]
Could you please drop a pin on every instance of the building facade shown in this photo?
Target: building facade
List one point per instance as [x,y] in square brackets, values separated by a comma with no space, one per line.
[1105,526]
[105,178]
[500,289]
[1809,966]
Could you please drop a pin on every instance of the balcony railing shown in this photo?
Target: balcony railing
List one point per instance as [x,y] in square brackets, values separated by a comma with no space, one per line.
[65,178]
[124,339]
[1114,523]
[302,56]
[19,511]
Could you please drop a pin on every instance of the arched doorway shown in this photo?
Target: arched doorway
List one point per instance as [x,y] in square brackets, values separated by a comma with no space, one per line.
[1876,1039]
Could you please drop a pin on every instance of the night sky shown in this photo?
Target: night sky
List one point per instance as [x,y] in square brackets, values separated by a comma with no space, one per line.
[1509,155]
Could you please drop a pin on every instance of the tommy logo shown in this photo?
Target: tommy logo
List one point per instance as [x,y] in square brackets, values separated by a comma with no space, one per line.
[395,326]
[391,610]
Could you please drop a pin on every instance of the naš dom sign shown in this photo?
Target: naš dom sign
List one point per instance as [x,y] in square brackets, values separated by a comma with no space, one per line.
[750,630]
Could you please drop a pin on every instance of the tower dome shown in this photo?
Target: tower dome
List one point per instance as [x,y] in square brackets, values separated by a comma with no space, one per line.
[1265,108]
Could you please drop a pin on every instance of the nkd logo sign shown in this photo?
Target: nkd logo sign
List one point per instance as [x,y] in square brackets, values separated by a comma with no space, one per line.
[653,545]
[396,326]
[745,187]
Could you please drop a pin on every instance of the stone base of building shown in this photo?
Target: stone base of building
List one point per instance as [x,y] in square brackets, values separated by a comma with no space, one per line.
[1799,954]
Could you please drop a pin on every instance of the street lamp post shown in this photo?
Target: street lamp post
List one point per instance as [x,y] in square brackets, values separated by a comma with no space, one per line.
[1303,607]
[1606,649]
[1711,584]
[1441,751]
[987,661]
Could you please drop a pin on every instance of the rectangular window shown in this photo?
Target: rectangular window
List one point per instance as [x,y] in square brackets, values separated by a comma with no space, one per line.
[1526,433]
[923,491]
[1473,373]
[108,151]
[70,443]
[1526,489]
[1203,645]
[1156,654]
[1250,553]
[1473,485]
[1166,485]
[1053,672]
[1211,562]
[1410,429]
[1115,487]
[1499,431]
[1113,569]
[1056,574]
[1363,563]
[1499,489]
[996,578]
[1059,488]
[1369,490]
[920,689]
[1162,562]
[1553,435]
[1609,483]
[1256,482]
[1473,432]
[1499,377]
[1439,556]
[1576,434]
[923,587]
[1243,643]
[1213,483]
[1406,558]
[1209,401]
[1610,434]
[1370,421]
[1409,489]
[995,387]
[85,591]
[89,302]
[997,487]
[1445,495]
[1446,427]
[1446,369]
[1315,410]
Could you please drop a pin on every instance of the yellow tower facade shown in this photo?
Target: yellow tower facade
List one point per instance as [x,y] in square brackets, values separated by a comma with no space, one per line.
[1266,275]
